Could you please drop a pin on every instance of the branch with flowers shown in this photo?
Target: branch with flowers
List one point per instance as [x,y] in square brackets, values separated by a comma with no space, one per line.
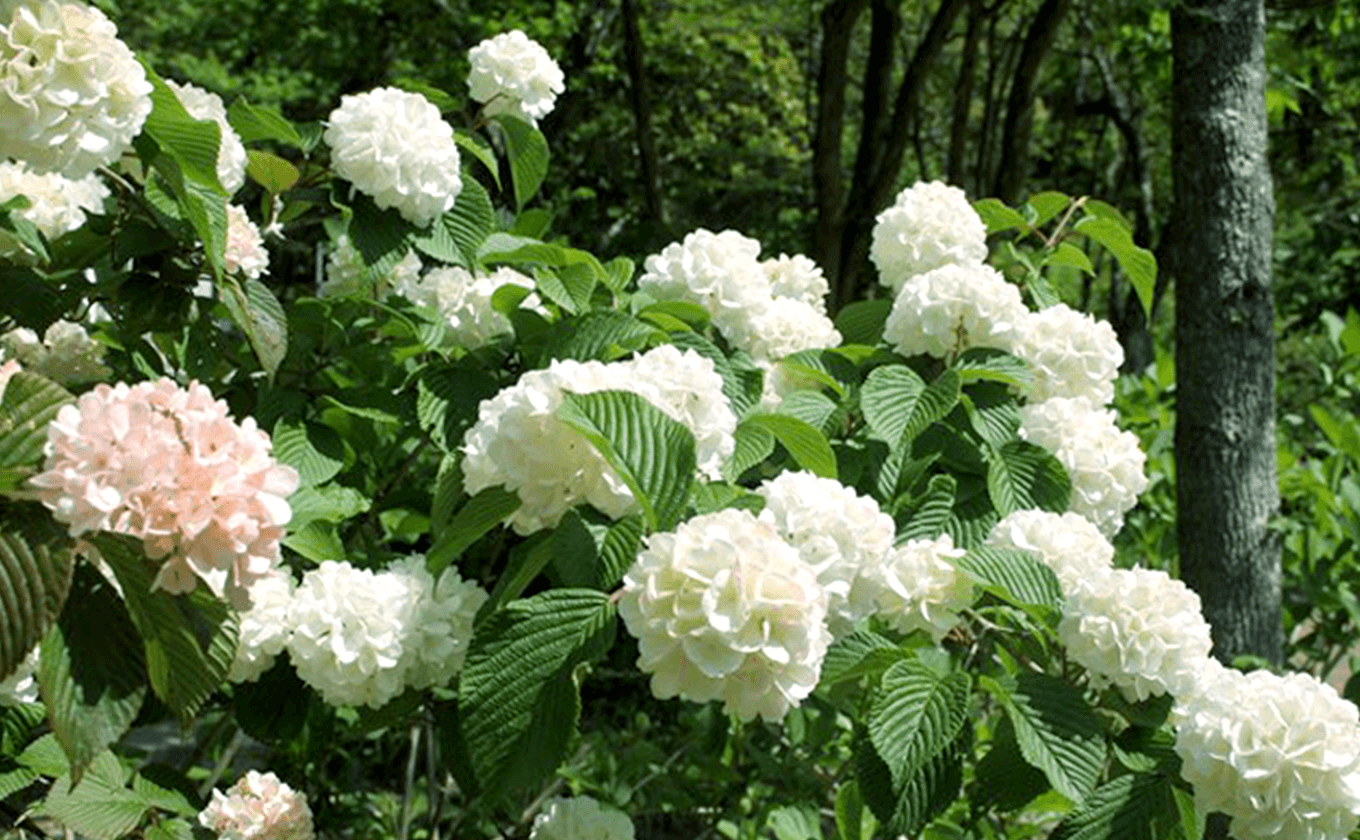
[395,460]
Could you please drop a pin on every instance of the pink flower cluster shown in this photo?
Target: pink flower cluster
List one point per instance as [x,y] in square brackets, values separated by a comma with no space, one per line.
[170,466]
[258,807]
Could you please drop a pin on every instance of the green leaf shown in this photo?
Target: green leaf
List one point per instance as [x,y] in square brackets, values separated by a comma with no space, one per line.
[36,566]
[520,250]
[926,516]
[862,322]
[1131,807]
[1015,576]
[992,412]
[262,122]
[1005,780]
[448,398]
[527,562]
[271,171]
[484,511]
[29,403]
[260,316]
[92,672]
[738,382]
[314,450]
[600,336]
[192,143]
[593,551]
[326,503]
[518,674]
[190,640]
[471,220]
[1055,729]
[618,273]
[998,217]
[382,237]
[754,443]
[98,806]
[528,153]
[653,454]
[1046,205]
[22,229]
[986,364]
[1344,434]
[315,540]
[808,446]
[795,822]
[853,820]
[863,653]
[1138,263]
[713,496]
[1070,256]
[256,706]
[1023,476]
[480,151]
[898,405]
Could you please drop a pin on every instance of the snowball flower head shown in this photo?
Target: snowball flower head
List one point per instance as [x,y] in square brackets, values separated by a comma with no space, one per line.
[263,629]
[57,204]
[1137,628]
[245,247]
[1279,755]
[440,631]
[1068,544]
[258,807]
[169,466]
[719,271]
[1069,354]
[799,278]
[72,96]
[772,329]
[1104,463]
[518,442]
[921,590]
[65,354]
[930,225]
[20,686]
[954,307]
[345,273]
[393,146]
[842,536]
[512,74]
[724,609]
[231,152]
[580,818]
[463,301]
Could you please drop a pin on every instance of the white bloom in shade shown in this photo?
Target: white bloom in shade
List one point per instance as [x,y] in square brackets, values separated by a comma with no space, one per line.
[72,96]
[245,246]
[345,273]
[772,329]
[1139,629]
[724,609]
[842,536]
[66,353]
[930,225]
[463,300]
[797,277]
[57,204]
[580,818]
[264,629]
[719,271]
[231,152]
[519,443]
[1069,354]
[439,633]
[920,588]
[258,807]
[1067,543]
[351,630]
[169,466]
[952,308]
[1279,755]
[1104,463]
[512,74]
[393,146]
[20,686]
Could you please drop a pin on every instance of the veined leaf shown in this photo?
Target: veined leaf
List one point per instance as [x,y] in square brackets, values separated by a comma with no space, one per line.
[271,171]
[36,565]
[862,322]
[925,517]
[602,336]
[1022,476]
[592,551]
[99,806]
[898,405]
[314,450]
[1055,730]
[1138,263]
[484,511]
[528,153]
[1015,576]
[30,402]
[861,654]
[1005,780]
[753,444]
[1133,807]
[471,220]
[998,217]
[260,316]
[480,151]
[261,122]
[1045,206]
[806,444]
[991,365]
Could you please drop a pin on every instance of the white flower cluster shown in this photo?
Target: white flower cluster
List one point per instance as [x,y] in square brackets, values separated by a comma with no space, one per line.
[258,807]
[1069,354]
[65,354]
[361,637]
[518,442]
[57,204]
[842,536]
[245,246]
[1068,544]
[1104,463]
[768,309]
[19,686]
[393,146]
[463,300]
[921,589]
[1279,755]
[929,225]
[952,308]
[512,74]
[580,818]
[723,608]
[72,96]
[264,629]
[231,152]
[169,466]
[1137,628]
[345,273]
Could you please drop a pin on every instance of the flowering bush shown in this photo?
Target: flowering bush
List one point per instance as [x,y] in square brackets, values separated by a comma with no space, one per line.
[513,75]
[258,807]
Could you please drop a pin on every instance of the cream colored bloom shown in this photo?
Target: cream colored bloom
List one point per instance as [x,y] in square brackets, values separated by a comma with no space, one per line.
[1067,543]
[57,204]
[952,308]
[512,74]
[264,629]
[931,224]
[1069,354]
[920,588]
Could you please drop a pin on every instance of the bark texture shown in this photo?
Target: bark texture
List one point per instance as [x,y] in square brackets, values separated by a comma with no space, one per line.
[1225,354]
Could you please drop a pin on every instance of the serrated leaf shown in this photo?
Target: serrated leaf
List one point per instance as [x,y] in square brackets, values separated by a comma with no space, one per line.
[1138,263]
[314,450]
[1004,779]
[1130,807]
[600,336]
[480,151]
[1016,576]
[448,398]
[326,503]
[861,654]
[618,273]
[193,143]
[448,491]
[1046,205]
[753,444]
[795,822]
[988,364]
[315,540]
[261,122]
[381,237]
[36,566]
[528,152]
[471,220]
[712,496]
[653,454]
[862,322]
[1070,256]
[807,446]
[992,412]
[1023,476]
[519,657]
[998,217]
[898,405]
[30,402]
[98,806]
[926,516]
[271,171]
[816,409]
[484,511]
[1055,730]
[505,248]
[92,671]
[593,551]
[260,316]
[189,640]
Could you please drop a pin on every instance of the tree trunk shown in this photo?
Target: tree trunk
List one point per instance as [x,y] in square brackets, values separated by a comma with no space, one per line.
[1225,356]
[642,114]
[963,98]
[1014,166]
